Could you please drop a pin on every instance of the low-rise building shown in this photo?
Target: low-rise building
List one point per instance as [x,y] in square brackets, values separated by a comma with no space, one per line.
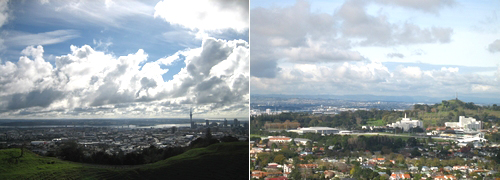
[407,123]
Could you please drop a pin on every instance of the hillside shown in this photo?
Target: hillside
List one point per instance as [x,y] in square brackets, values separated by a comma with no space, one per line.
[437,114]
[218,161]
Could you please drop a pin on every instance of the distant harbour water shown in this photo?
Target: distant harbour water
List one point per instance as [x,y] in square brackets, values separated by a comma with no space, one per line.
[99,126]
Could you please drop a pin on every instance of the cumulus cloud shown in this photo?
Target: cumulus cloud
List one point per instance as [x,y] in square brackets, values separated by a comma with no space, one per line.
[494,46]
[315,52]
[378,31]
[295,34]
[214,15]
[88,82]
[372,78]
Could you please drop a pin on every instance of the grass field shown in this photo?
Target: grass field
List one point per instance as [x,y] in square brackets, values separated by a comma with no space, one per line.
[379,122]
[218,161]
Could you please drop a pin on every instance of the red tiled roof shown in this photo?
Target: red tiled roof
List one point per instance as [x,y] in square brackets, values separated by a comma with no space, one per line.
[401,176]
[277,178]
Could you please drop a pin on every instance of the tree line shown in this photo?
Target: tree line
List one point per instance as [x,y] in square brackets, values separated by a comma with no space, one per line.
[446,110]
[71,151]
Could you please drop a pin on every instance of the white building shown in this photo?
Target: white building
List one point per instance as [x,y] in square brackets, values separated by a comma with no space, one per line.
[465,123]
[302,141]
[279,139]
[407,123]
[317,130]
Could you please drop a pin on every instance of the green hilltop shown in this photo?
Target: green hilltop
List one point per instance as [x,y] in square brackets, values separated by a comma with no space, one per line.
[217,161]
[446,111]
[432,115]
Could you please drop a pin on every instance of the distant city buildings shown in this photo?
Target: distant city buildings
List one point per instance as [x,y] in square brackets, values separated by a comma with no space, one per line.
[236,123]
[193,125]
[465,123]
[279,139]
[257,112]
[407,123]
[317,130]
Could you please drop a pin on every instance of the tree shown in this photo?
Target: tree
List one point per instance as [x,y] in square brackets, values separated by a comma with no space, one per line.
[388,172]
[417,176]
[279,159]
[309,144]
[265,141]
[415,153]
[295,174]
[274,146]
[71,151]
[292,143]
[412,142]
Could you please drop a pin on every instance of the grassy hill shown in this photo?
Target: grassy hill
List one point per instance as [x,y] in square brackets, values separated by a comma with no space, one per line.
[450,111]
[218,161]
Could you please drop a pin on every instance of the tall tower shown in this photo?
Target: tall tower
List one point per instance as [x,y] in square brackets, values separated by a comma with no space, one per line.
[191,118]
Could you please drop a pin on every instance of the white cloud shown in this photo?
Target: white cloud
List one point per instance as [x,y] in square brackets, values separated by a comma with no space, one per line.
[4,12]
[296,34]
[393,55]
[319,51]
[169,60]
[432,6]
[87,82]
[15,38]
[214,15]
[379,31]
[112,13]
[494,46]
[372,78]
[44,1]
[102,45]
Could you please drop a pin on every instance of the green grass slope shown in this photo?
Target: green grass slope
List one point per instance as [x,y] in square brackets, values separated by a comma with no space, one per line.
[218,161]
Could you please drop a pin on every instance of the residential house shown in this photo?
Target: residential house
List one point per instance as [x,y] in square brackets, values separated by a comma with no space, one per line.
[445,177]
[399,176]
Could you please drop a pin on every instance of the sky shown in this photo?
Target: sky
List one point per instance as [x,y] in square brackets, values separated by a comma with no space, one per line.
[432,48]
[124,59]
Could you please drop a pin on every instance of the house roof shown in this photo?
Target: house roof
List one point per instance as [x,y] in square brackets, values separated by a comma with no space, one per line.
[277,178]
[445,177]
[279,139]
[404,176]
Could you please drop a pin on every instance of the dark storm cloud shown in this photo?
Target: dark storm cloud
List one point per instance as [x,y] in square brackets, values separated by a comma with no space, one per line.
[41,98]
[262,66]
[109,94]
